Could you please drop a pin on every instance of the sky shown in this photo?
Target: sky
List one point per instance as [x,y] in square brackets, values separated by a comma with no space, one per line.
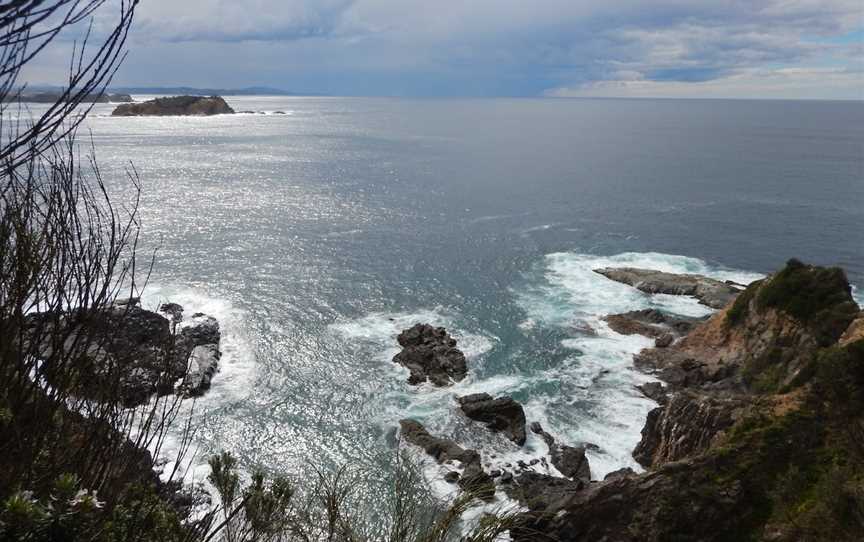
[555,48]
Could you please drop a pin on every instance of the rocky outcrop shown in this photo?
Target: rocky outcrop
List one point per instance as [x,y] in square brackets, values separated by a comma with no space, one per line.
[177,105]
[676,502]
[134,353]
[655,391]
[473,479]
[430,353]
[651,323]
[688,424]
[538,491]
[766,338]
[708,291]
[501,414]
[569,460]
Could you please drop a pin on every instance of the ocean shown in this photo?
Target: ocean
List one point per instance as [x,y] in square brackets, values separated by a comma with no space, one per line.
[316,235]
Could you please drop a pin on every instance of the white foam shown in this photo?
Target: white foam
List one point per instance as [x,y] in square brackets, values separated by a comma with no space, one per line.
[237,367]
[604,409]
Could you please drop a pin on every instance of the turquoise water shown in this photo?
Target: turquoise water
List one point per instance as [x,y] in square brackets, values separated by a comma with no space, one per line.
[315,236]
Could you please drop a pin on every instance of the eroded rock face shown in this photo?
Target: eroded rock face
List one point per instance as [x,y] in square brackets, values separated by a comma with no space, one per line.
[176,105]
[430,353]
[473,479]
[766,338]
[687,425]
[501,414]
[708,291]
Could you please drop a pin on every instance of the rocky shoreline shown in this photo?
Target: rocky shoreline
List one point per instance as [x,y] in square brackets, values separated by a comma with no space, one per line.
[756,362]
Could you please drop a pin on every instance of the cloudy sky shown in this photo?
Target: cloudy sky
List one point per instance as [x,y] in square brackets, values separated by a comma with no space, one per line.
[692,48]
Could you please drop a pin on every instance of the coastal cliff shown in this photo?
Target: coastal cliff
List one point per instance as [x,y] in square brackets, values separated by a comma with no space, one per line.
[762,437]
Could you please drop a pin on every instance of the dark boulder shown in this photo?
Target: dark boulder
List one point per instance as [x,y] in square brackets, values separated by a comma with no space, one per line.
[571,461]
[502,414]
[430,353]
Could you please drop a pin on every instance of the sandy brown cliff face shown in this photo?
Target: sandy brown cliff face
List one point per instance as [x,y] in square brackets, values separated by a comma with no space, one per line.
[757,441]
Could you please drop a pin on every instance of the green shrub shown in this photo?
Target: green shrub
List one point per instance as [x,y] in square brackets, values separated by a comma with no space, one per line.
[820,297]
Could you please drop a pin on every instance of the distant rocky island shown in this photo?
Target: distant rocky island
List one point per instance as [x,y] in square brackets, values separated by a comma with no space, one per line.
[50,97]
[176,105]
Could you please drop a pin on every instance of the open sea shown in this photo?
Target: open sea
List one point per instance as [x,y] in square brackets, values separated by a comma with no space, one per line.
[316,235]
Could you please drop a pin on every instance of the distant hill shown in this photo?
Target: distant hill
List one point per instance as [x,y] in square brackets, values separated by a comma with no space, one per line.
[192,91]
[50,96]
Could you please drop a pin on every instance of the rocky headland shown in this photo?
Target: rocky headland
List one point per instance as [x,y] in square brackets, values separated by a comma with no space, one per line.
[757,434]
[760,435]
[176,105]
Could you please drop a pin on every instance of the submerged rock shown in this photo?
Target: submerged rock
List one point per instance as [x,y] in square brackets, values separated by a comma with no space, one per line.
[176,105]
[430,353]
[502,414]
[708,291]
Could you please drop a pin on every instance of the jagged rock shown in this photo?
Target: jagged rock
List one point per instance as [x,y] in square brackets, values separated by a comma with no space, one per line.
[651,323]
[708,291]
[440,449]
[688,424]
[176,105]
[203,364]
[655,391]
[430,353]
[538,491]
[664,340]
[473,479]
[620,473]
[677,502]
[569,460]
[501,414]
